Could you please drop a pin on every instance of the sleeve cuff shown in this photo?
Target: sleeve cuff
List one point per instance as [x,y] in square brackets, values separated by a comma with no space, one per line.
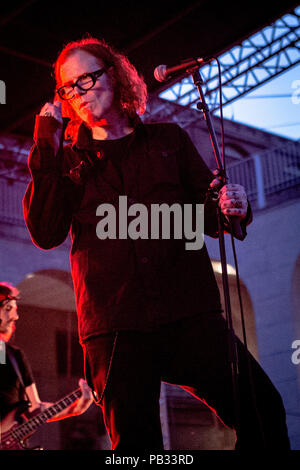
[243,223]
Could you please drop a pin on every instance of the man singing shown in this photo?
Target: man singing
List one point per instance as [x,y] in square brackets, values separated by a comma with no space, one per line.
[149,309]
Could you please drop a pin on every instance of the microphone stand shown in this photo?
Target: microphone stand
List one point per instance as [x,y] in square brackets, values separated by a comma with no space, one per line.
[219,182]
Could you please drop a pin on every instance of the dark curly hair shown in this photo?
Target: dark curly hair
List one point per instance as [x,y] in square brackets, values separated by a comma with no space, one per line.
[7,292]
[130,88]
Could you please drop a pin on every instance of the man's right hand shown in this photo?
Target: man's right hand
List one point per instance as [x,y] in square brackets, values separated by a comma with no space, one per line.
[54,110]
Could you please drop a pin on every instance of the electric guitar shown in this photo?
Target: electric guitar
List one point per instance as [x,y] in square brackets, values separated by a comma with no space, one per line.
[15,429]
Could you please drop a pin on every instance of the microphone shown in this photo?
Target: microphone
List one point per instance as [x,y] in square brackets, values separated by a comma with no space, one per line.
[162,72]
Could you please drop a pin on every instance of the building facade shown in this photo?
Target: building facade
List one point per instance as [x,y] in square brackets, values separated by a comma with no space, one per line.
[268,265]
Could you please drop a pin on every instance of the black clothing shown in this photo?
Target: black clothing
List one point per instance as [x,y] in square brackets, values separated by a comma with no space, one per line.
[11,390]
[193,354]
[123,284]
[148,309]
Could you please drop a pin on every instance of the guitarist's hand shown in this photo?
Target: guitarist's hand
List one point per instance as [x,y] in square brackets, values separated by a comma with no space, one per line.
[86,399]
[44,405]
[77,408]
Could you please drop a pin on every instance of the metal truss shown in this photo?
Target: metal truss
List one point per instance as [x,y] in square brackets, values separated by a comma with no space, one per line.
[245,67]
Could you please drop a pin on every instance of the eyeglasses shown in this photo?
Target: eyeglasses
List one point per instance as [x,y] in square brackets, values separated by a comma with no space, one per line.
[84,82]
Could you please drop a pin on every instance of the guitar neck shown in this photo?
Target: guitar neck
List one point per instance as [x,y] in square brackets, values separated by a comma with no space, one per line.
[28,427]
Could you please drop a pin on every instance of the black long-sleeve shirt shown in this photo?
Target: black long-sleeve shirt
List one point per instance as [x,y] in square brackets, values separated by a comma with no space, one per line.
[123,283]
[11,389]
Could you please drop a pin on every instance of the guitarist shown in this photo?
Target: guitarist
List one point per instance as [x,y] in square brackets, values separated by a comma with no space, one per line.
[17,381]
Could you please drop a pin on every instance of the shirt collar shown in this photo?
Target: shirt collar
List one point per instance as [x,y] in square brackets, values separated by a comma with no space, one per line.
[85,138]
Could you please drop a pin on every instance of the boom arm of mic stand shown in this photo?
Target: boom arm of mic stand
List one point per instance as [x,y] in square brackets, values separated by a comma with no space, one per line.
[235,221]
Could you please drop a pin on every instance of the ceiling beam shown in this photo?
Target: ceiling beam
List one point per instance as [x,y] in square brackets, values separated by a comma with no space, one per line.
[256,60]
[139,42]
[30,58]
[14,13]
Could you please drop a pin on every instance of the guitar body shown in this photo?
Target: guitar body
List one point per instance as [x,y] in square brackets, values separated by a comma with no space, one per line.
[11,421]
[15,428]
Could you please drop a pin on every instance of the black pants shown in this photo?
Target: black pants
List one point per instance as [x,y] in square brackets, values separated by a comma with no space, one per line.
[192,353]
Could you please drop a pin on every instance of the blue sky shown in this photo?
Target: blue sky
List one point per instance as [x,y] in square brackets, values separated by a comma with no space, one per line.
[274,106]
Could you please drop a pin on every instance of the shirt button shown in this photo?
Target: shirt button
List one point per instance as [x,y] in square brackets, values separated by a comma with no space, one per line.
[145,259]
